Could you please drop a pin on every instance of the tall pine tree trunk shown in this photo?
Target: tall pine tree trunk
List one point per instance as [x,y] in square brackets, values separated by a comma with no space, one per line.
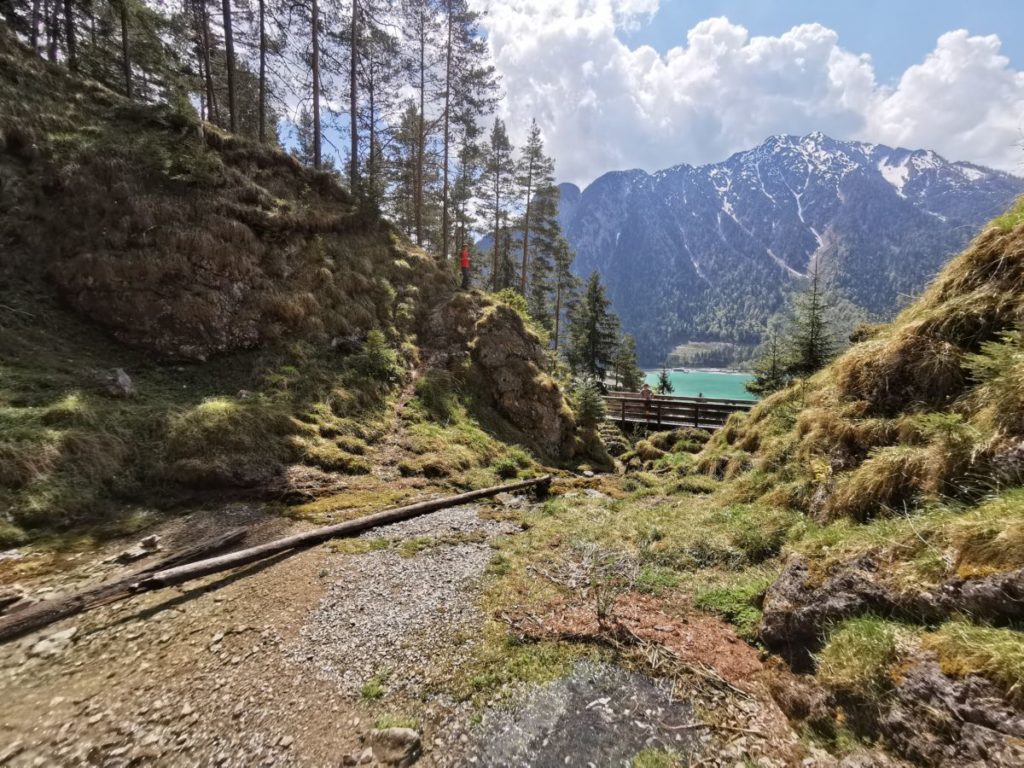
[126,59]
[558,312]
[203,26]
[449,53]
[526,229]
[317,158]
[263,72]
[421,137]
[353,100]
[229,51]
[497,230]
[34,32]
[69,34]
[52,29]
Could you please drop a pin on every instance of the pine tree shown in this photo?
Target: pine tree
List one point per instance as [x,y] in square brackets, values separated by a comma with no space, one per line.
[628,376]
[565,286]
[664,385]
[593,332]
[536,184]
[468,90]
[769,372]
[380,70]
[496,194]
[812,345]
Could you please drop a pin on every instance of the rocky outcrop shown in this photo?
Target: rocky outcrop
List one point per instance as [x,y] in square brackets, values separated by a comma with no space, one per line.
[507,367]
[798,606]
[933,719]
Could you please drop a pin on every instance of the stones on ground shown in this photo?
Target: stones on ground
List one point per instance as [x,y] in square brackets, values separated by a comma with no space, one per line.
[11,596]
[120,384]
[389,613]
[144,548]
[53,645]
[399,747]
[11,752]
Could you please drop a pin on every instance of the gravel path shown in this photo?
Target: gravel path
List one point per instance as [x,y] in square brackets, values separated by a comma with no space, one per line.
[403,621]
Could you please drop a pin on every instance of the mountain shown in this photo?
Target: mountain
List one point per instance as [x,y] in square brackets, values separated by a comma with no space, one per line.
[709,253]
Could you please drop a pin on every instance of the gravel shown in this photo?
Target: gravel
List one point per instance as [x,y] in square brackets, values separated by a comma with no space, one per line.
[404,621]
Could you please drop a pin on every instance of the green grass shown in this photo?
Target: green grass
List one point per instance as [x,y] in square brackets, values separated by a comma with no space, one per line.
[859,656]
[656,758]
[655,580]
[734,597]
[994,653]
[396,721]
[1012,218]
[373,688]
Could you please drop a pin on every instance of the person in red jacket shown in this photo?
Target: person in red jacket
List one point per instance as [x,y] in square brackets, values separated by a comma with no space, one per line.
[464,264]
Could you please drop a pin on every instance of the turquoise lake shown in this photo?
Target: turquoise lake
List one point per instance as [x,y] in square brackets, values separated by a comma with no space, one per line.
[693,383]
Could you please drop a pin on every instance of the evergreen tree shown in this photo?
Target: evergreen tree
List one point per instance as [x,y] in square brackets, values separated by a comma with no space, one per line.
[628,376]
[535,179]
[664,386]
[565,285]
[593,332]
[812,345]
[496,194]
[468,90]
[769,371]
[588,402]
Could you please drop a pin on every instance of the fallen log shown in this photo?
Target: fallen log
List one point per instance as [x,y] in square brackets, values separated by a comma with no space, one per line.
[36,616]
[172,576]
[150,579]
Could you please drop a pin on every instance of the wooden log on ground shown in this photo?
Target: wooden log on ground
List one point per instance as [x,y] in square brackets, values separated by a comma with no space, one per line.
[191,571]
[36,616]
[45,613]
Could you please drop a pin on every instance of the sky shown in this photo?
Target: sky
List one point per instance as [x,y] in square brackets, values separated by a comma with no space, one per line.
[618,84]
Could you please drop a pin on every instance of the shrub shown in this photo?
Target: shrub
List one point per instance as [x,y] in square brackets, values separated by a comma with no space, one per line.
[505,467]
[376,361]
[588,403]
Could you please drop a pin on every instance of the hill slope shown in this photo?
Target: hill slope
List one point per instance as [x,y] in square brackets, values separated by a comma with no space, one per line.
[709,252]
[904,583]
[183,312]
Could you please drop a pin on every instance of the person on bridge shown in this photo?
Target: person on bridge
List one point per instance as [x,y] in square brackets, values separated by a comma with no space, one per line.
[648,396]
[464,265]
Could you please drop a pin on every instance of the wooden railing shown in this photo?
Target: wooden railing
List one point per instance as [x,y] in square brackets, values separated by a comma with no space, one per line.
[672,412]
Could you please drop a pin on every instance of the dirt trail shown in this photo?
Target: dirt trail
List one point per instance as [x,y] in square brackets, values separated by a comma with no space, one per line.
[293,662]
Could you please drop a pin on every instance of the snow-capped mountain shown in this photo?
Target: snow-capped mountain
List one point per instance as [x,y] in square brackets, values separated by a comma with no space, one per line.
[709,252]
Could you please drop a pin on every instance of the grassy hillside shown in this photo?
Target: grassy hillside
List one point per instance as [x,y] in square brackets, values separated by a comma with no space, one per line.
[890,485]
[266,322]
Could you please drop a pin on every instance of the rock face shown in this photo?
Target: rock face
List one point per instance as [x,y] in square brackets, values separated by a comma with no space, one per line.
[937,720]
[797,607]
[726,241]
[508,365]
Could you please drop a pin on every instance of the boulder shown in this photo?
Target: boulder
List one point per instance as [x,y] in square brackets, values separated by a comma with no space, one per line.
[508,367]
[933,719]
[119,384]
[398,747]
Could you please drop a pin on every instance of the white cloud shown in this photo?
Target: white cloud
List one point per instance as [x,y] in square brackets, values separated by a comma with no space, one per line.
[603,105]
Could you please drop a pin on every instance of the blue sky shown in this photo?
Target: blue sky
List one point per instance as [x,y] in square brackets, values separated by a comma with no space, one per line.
[617,84]
[896,33]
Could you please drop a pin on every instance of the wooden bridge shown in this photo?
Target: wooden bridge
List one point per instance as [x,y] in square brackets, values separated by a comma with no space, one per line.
[671,412]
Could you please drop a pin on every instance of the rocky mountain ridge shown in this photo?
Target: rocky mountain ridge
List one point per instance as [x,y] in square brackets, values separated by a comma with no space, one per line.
[711,252]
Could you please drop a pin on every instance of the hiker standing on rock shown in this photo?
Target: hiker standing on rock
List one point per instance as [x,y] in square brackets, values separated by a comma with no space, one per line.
[464,264]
